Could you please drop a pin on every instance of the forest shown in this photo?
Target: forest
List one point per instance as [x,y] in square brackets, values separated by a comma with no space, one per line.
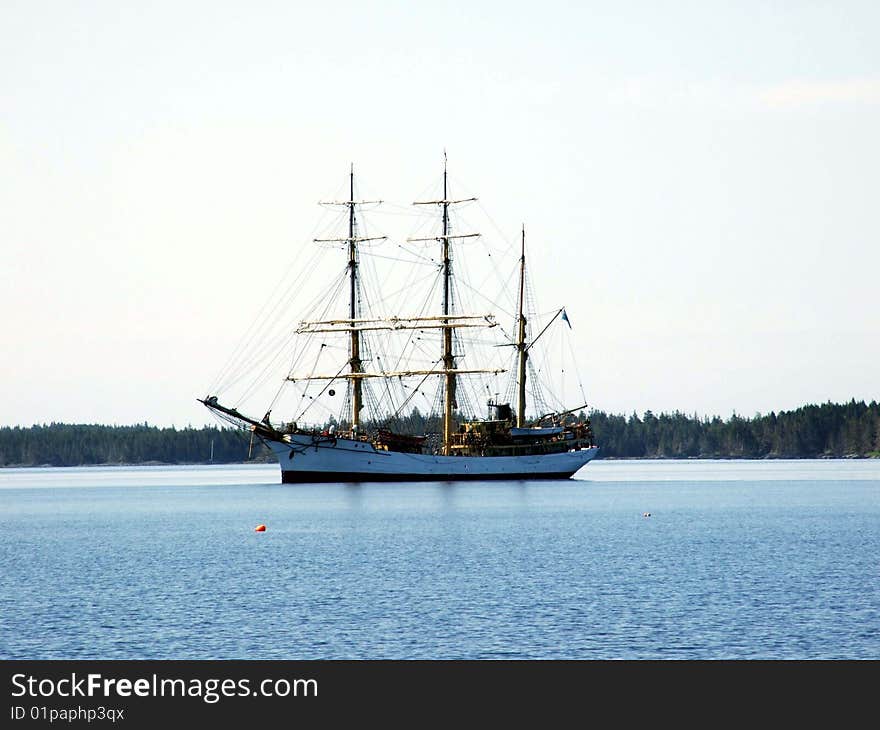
[814,431]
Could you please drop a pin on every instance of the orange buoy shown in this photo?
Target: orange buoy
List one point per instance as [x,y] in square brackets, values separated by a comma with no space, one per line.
[260,528]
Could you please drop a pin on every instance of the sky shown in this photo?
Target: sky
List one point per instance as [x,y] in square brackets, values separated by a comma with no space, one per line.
[699,181]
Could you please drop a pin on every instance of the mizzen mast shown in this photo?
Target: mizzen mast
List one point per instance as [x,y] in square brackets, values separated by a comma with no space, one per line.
[521,340]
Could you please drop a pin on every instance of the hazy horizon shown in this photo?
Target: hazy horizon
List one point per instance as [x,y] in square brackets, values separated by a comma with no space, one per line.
[697,180]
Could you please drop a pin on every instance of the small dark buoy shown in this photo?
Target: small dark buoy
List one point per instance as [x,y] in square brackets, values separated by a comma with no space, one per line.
[260,528]
[646,514]
[331,392]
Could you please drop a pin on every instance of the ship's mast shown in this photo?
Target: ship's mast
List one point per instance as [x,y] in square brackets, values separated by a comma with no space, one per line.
[447,317]
[355,360]
[448,358]
[352,241]
[521,340]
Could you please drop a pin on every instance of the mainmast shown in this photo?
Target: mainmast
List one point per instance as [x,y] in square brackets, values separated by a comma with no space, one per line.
[448,357]
[355,363]
[355,360]
[521,340]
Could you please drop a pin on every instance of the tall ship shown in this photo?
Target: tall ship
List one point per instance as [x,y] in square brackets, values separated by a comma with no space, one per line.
[375,344]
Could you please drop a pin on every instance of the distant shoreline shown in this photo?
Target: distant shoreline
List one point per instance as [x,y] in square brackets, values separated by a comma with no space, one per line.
[827,431]
[852,457]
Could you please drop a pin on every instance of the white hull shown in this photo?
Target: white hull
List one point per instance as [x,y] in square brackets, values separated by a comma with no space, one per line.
[327,459]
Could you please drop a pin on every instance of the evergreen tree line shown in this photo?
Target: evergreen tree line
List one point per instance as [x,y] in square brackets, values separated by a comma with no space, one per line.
[63,444]
[827,430]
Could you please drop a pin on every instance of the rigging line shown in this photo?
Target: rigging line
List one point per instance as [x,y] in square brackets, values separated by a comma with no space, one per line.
[438,276]
[407,287]
[504,284]
[277,395]
[378,344]
[370,402]
[371,346]
[473,342]
[239,375]
[367,283]
[501,234]
[330,218]
[379,412]
[301,348]
[548,396]
[387,381]
[392,205]
[320,393]
[308,382]
[495,271]
[328,297]
[417,344]
[345,405]
[431,190]
[469,195]
[260,381]
[507,287]
[322,406]
[308,340]
[510,388]
[426,259]
[261,378]
[333,296]
[391,274]
[539,403]
[429,295]
[280,281]
[268,352]
[437,407]
[265,334]
[562,369]
[548,313]
[424,262]
[407,213]
[386,384]
[539,357]
[462,218]
[411,395]
[245,340]
[430,222]
[577,371]
[242,374]
[233,374]
[479,293]
[531,295]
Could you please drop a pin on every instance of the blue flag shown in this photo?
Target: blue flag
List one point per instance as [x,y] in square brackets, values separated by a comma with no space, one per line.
[565,319]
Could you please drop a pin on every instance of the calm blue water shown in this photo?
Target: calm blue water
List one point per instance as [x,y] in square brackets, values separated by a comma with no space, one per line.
[738,560]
